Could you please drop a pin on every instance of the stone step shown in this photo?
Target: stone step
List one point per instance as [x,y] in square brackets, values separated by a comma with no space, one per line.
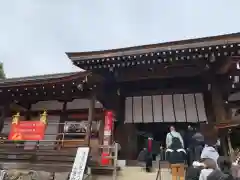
[136,173]
[126,173]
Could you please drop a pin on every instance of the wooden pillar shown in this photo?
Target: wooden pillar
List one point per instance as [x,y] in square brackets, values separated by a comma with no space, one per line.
[220,112]
[2,116]
[91,114]
[218,103]
[63,117]
[27,115]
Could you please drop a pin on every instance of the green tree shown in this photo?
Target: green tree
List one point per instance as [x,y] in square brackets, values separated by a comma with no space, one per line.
[2,74]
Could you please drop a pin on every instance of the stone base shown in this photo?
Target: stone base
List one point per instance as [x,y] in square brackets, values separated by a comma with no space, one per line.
[127,173]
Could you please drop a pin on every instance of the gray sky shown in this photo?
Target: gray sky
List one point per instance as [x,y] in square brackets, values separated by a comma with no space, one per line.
[35,34]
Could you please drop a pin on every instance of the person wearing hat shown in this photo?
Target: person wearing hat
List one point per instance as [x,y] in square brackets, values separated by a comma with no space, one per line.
[209,166]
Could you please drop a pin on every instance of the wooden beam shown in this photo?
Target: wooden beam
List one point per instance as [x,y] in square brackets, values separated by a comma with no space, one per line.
[156,73]
[91,114]
[81,114]
[233,104]
[63,117]
[225,64]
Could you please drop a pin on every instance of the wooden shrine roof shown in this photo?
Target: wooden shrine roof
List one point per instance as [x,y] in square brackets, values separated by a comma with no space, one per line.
[48,87]
[184,50]
[43,79]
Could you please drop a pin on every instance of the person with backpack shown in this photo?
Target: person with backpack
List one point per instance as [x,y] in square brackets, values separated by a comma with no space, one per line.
[176,156]
[175,153]
[173,134]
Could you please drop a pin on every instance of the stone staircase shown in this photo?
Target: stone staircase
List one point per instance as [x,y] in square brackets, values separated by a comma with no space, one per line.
[127,173]
[136,173]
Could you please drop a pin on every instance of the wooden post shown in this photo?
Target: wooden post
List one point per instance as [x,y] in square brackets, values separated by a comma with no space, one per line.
[218,103]
[2,117]
[91,114]
[178,171]
[63,118]
[219,110]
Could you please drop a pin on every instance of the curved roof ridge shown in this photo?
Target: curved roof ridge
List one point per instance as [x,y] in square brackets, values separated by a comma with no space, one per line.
[168,45]
[47,78]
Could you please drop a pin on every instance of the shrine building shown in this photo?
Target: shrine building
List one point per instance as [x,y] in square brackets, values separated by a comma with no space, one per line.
[147,88]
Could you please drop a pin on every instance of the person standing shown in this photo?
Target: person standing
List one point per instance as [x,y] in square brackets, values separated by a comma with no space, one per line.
[198,144]
[173,134]
[188,140]
[118,147]
[210,139]
[176,156]
[149,157]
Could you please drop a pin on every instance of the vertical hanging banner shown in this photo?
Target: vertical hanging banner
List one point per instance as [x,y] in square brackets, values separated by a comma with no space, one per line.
[108,127]
[107,137]
[27,130]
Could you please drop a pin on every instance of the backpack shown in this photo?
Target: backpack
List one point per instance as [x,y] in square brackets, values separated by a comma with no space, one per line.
[175,139]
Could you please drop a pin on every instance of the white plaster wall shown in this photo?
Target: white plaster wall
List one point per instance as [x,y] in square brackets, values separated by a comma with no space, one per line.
[165,108]
[7,124]
[82,104]
[50,133]
[234,97]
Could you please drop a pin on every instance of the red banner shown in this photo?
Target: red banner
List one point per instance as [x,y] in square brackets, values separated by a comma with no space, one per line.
[108,124]
[27,130]
[107,136]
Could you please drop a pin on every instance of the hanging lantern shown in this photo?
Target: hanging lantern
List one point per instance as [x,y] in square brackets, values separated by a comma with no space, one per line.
[236,79]
[237,65]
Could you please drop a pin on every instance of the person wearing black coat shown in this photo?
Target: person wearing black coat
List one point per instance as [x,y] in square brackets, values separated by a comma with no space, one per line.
[198,144]
[149,155]
[188,141]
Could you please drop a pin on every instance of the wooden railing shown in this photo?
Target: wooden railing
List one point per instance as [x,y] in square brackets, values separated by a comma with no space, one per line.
[54,161]
[55,154]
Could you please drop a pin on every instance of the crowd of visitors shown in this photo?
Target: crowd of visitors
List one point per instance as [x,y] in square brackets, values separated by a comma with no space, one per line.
[200,153]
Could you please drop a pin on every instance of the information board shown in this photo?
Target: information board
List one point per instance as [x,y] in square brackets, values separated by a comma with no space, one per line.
[79,163]
[27,130]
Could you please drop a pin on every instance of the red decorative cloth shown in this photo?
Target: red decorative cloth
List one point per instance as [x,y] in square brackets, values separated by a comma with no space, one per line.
[150,144]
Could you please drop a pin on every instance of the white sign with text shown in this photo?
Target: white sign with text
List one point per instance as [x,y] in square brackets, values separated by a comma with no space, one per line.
[79,163]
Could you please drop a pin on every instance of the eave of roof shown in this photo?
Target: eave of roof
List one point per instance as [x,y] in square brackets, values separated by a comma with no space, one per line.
[174,45]
[43,79]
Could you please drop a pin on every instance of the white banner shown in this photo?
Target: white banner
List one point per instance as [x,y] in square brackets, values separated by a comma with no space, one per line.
[79,163]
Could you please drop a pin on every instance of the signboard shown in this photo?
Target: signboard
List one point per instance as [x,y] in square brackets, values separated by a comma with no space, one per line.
[79,163]
[108,121]
[108,124]
[80,127]
[27,130]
